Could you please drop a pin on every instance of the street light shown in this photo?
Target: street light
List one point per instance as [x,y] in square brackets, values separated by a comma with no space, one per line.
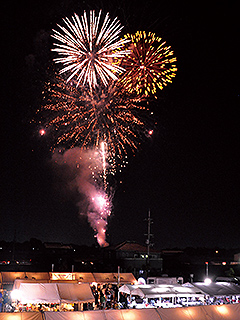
[207,280]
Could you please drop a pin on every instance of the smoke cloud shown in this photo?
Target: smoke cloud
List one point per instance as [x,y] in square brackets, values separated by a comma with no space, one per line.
[84,171]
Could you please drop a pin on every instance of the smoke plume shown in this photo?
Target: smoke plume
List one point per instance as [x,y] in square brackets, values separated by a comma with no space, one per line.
[85,174]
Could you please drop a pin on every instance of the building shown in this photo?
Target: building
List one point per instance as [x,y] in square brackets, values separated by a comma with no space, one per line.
[134,257]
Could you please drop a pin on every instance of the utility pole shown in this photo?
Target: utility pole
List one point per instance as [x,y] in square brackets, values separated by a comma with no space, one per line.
[148,240]
[118,284]
[14,246]
[206,264]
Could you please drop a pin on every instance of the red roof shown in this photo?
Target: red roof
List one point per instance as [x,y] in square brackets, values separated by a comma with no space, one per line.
[132,246]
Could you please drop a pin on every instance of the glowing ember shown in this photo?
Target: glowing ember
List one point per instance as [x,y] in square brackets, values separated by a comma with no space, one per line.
[42,132]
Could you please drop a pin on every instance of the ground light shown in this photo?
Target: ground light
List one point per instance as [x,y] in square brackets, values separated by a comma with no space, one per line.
[207,281]
[15,295]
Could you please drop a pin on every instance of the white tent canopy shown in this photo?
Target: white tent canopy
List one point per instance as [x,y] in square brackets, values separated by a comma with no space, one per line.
[73,293]
[127,288]
[38,293]
[162,290]
[216,289]
[17,282]
[54,293]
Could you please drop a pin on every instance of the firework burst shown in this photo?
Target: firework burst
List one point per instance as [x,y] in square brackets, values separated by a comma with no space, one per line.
[90,53]
[150,64]
[87,119]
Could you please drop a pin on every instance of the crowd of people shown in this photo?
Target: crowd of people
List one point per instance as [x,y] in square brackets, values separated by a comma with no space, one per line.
[5,301]
[106,297]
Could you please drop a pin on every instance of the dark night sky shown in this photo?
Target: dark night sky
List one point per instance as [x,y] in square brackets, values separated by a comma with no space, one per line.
[188,174]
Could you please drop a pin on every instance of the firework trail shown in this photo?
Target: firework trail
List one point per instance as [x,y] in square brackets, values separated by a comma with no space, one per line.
[150,64]
[104,164]
[88,52]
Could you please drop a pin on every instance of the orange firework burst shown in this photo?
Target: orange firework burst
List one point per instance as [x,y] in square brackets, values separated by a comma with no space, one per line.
[150,65]
[85,119]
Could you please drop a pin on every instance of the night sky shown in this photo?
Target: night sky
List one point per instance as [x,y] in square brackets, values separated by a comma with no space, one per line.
[187,174]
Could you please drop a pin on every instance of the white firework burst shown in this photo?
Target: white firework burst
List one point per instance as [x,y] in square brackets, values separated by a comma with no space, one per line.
[88,52]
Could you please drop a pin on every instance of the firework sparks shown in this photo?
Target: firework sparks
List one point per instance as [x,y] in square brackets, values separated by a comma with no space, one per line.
[104,164]
[150,64]
[89,52]
[108,119]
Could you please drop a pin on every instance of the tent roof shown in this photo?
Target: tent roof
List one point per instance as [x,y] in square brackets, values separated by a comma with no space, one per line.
[9,277]
[127,288]
[18,282]
[218,288]
[84,277]
[71,293]
[113,277]
[55,293]
[188,313]
[154,291]
[39,293]
[33,315]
